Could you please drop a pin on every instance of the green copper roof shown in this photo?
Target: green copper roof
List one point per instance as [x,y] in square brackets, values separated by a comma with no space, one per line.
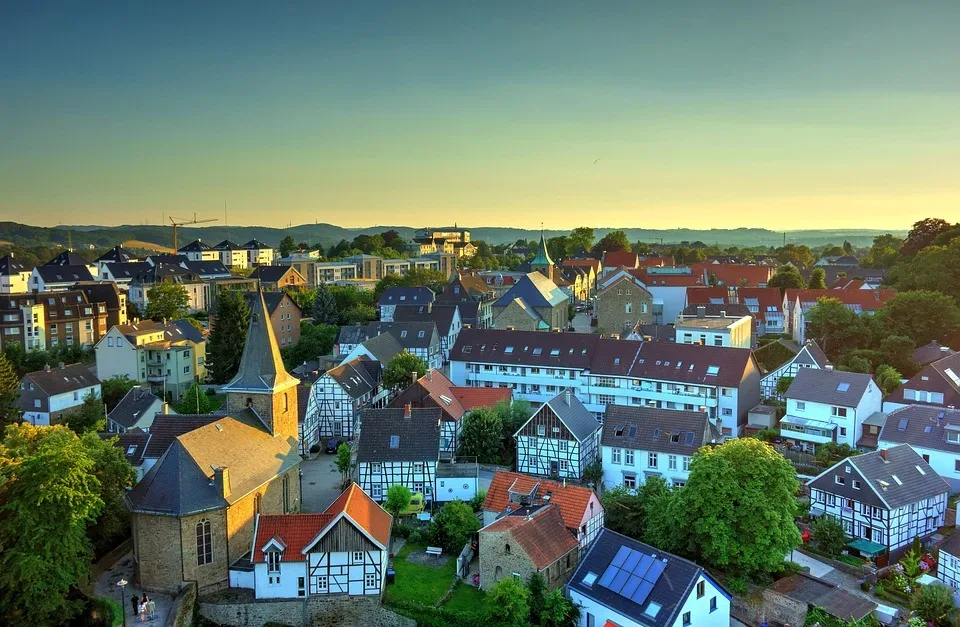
[543,257]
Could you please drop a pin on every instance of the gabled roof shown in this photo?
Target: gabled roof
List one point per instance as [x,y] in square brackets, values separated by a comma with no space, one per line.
[536,290]
[774,354]
[205,268]
[618,279]
[383,347]
[736,274]
[64,274]
[941,376]
[67,258]
[256,245]
[352,334]
[922,426]
[900,479]
[580,421]
[810,353]
[117,254]
[128,269]
[473,285]
[660,430]
[175,486]
[62,380]
[417,437]
[710,295]
[226,245]
[353,377]
[832,387]
[622,259]
[929,353]
[132,443]
[273,274]
[272,299]
[132,406]
[261,368]
[710,310]
[183,330]
[441,315]
[406,296]
[572,500]
[858,300]
[541,534]
[196,246]
[10,265]
[364,511]
[167,427]
[410,335]
[471,398]
[672,587]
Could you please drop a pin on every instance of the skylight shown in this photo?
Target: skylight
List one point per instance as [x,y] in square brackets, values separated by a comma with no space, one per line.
[652,609]
[920,470]
[394,441]
[554,351]
[589,579]
[897,479]
[713,370]
[843,387]
[507,349]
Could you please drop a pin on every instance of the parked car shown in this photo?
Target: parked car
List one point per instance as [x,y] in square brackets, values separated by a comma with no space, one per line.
[415,508]
[333,445]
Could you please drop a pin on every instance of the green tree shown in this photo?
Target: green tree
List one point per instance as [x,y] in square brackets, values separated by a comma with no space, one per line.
[304,298]
[324,306]
[581,238]
[627,511]
[922,235]
[9,392]
[559,611]
[783,384]
[344,462]
[897,351]
[316,340]
[751,537]
[887,378]
[195,401]
[829,535]
[399,372]
[612,242]
[49,495]
[480,435]
[858,364]
[883,253]
[787,277]
[116,476]
[228,336]
[167,301]
[455,524]
[934,604]
[398,498]
[89,416]
[287,246]
[537,586]
[818,279]
[797,254]
[115,388]
[593,474]
[358,314]
[508,603]
[923,316]
[835,327]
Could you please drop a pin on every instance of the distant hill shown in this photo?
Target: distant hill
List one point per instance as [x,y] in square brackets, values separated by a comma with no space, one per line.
[148,236]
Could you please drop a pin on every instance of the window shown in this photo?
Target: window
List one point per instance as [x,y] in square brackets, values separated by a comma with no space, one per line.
[273,563]
[541,430]
[322,583]
[204,543]
[615,457]
[839,480]
[563,465]
[630,481]
[701,589]
[801,406]
[358,557]
[839,412]
[843,431]
[713,604]
[628,308]
[652,460]
[418,467]
[375,468]
[726,411]
[686,464]
[370,581]
[376,491]
[856,484]
[686,618]
[672,462]
[286,493]
[629,457]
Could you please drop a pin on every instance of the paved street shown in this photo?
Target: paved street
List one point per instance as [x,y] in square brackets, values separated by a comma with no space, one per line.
[320,483]
[581,323]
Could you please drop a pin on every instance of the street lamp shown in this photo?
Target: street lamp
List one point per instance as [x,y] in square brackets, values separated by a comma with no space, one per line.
[123,600]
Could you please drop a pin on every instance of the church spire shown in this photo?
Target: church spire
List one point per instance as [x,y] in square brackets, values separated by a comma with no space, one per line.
[542,258]
[261,367]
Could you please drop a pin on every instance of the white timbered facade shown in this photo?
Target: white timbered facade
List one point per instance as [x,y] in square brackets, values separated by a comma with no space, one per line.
[399,446]
[336,399]
[560,440]
[887,497]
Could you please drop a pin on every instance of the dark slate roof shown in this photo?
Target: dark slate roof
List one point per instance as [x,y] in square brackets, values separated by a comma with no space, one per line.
[657,332]
[934,377]
[64,274]
[407,334]
[536,290]
[67,258]
[160,270]
[272,299]
[116,255]
[132,406]
[261,368]
[181,329]
[713,310]
[165,258]
[406,296]
[578,419]
[255,245]
[60,380]
[441,315]
[929,353]
[102,292]
[226,245]
[353,377]
[922,426]
[166,428]
[419,435]
[271,274]
[175,486]
[132,443]
[195,246]
[651,429]
[383,347]
[813,355]
[671,590]
[352,334]
[823,386]
[205,267]
[10,265]
[917,480]
[128,269]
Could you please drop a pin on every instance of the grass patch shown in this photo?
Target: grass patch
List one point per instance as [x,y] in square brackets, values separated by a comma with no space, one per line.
[465,599]
[418,583]
[216,401]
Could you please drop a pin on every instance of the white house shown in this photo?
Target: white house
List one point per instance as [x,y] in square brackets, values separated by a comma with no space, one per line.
[933,432]
[798,302]
[398,446]
[342,551]
[642,442]
[729,331]
[560,439]
[336,400]
[828,406]
[198,251]
[627,583]
[48,396]
[394,297]
[136,410]
[14,276]
[258,253]
[807,356]
[886,498]
[232,255]
[948,564]
[58,278]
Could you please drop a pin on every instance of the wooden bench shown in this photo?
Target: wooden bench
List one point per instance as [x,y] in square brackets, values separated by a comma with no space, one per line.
[434,550]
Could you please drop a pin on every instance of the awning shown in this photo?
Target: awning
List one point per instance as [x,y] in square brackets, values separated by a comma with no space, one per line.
[867,547]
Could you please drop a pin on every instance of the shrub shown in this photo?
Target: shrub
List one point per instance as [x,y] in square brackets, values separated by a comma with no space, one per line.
[401,531]
[210,392]
[829,535]
[417,537]
[477,501]
[315,448]
[934,604]
[737,585]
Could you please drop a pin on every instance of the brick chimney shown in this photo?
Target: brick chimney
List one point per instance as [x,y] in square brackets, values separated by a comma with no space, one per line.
[407,411]
[701,311]
[567,394]
[221,478]
[414,376]
[883,454]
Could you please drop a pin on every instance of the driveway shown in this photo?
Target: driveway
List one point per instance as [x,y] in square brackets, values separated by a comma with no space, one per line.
[817,568]
[319,483]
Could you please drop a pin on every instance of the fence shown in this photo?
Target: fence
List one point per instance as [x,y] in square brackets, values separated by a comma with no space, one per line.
[798,458]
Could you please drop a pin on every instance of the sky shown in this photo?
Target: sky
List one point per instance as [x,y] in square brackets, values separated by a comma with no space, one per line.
[696,113]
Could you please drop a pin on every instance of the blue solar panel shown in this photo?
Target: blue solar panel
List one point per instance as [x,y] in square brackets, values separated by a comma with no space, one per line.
[644,565]
[655,571]
[631,586]
[619,580]
[642,592]
[631,562]
[620,556]
[608,576]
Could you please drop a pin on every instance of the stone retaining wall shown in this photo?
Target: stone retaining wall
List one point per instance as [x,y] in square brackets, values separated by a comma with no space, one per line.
[181,614]
[330,611]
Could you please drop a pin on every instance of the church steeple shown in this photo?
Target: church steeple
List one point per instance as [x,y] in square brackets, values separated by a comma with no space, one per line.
[542,262]
[262,383]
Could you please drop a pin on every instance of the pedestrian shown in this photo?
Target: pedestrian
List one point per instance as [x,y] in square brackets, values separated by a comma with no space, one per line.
[135,602]
[151,609]
[143,609]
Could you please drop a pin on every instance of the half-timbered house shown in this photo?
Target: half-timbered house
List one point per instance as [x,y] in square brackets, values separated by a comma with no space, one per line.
[807,356]
[336,399]
[398,446]
[561,439]
[344,550]
[885,498]
[948,563]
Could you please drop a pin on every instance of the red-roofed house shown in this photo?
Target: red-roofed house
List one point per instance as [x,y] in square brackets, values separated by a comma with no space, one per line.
[615,260]
[341,551]
[526,541]
[579,507]
[735,275]
[796,304]
[765,304]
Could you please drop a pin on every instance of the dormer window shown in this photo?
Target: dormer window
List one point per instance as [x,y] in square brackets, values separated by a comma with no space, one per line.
[273,562]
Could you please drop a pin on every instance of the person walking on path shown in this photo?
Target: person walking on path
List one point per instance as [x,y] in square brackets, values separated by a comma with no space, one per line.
[135,602]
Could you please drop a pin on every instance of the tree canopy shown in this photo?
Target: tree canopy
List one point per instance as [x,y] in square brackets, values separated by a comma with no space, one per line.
[923,316]
[818,279]
[834,326]
[228,336]
[508,603]
[398,498]
[399,371]
[324,306]
[167,301]
[787,277]
[612,242]
[89,416]
[115,388]
[195,401]
[455,524]
[9,392]
[316,340]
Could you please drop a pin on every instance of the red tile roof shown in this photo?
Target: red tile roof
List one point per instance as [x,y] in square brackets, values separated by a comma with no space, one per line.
[581,263]
[869,300]
[471,398]
[440,389]
[669,280]
[646,262]
[736,274]
[365,512]
[766,297]
[571,500]
[542,535]
[620,259]
[702,295]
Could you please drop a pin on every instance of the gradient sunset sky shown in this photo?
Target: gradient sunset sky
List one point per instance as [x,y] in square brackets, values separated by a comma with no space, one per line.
[786,115]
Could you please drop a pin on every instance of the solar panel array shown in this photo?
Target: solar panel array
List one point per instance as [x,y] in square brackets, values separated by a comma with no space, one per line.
[632,574]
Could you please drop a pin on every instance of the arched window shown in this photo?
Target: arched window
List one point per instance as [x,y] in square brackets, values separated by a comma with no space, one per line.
[249,402]
[257,504]
[506,548]
[286,493]
[204,543]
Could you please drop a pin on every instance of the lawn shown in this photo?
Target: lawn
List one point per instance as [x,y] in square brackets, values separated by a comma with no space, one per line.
[216,401]
[418,583]
[465,599]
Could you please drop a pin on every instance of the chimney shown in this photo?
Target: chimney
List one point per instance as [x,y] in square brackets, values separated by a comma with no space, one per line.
[407,411]
[414,376]
[429,375]
[883,454]
[46,367]
[166,408]
[566,396]
[723,314]
[703,409]
[221,477]
[701,311]
[828,367]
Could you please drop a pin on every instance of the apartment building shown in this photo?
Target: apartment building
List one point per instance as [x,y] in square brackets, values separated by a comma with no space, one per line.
[43,320]
[258,253]
[724,330]
[14,276]
[232,255]
[198,251]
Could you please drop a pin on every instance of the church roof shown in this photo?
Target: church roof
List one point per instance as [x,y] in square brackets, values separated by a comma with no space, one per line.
[261,368]
[542,257]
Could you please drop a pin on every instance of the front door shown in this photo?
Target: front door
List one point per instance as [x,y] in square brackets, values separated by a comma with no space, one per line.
[554,468]
[338,429]
[868,533]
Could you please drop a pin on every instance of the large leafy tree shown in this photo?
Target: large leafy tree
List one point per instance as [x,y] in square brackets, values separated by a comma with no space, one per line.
[344,461]
[897,351]
[9,392]
[797,254]
[923,316]
[935,268]
[558,610]
[455,523]
[787,277]
[167,301]
[287,245]
[89,416]
[315,341]
[922,235]
[818,279]
[399,372]
[934,604]
[324,306]
[834,326]
[612,242]
[229,335]
[49,495]
[628,512]
[883,253]
[829,535]
[508,603]
[736,512]
[480,435]
[195,401]
[115,388]
[887,378]
[116,476]
[582,238]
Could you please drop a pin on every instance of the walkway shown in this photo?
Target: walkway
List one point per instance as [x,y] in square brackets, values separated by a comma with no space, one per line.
[817,568]
[107,588]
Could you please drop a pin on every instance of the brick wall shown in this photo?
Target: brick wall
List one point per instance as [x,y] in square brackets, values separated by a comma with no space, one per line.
[612,314]
[156,550]
[240,515]
[278,411]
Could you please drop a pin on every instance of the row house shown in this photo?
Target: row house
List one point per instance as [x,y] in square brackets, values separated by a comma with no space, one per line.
[937,385]
[623,303]
[883,499]
[14,275]
[48,396]
[38,321]
[829,407]
[337,399]
[765,304]
[641,442]
[725,330]
[473,297]
[394,298]
[54,278]
[602,371]
[136,410]
[933,432]
[232,255]
[561,439]
[668,285]
[807,356]
[398,446]
[122,273]
[258,253]
[734,275]
[797,304]
[447,319]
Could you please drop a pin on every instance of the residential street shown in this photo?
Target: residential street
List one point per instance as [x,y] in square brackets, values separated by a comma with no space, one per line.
[320,483]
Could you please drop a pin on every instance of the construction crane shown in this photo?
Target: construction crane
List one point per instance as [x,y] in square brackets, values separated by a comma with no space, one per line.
[178,223]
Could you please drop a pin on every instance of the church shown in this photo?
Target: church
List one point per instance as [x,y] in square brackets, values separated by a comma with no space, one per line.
[193,513]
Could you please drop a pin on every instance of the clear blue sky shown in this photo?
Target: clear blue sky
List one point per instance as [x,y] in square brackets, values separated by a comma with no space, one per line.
[709,114]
